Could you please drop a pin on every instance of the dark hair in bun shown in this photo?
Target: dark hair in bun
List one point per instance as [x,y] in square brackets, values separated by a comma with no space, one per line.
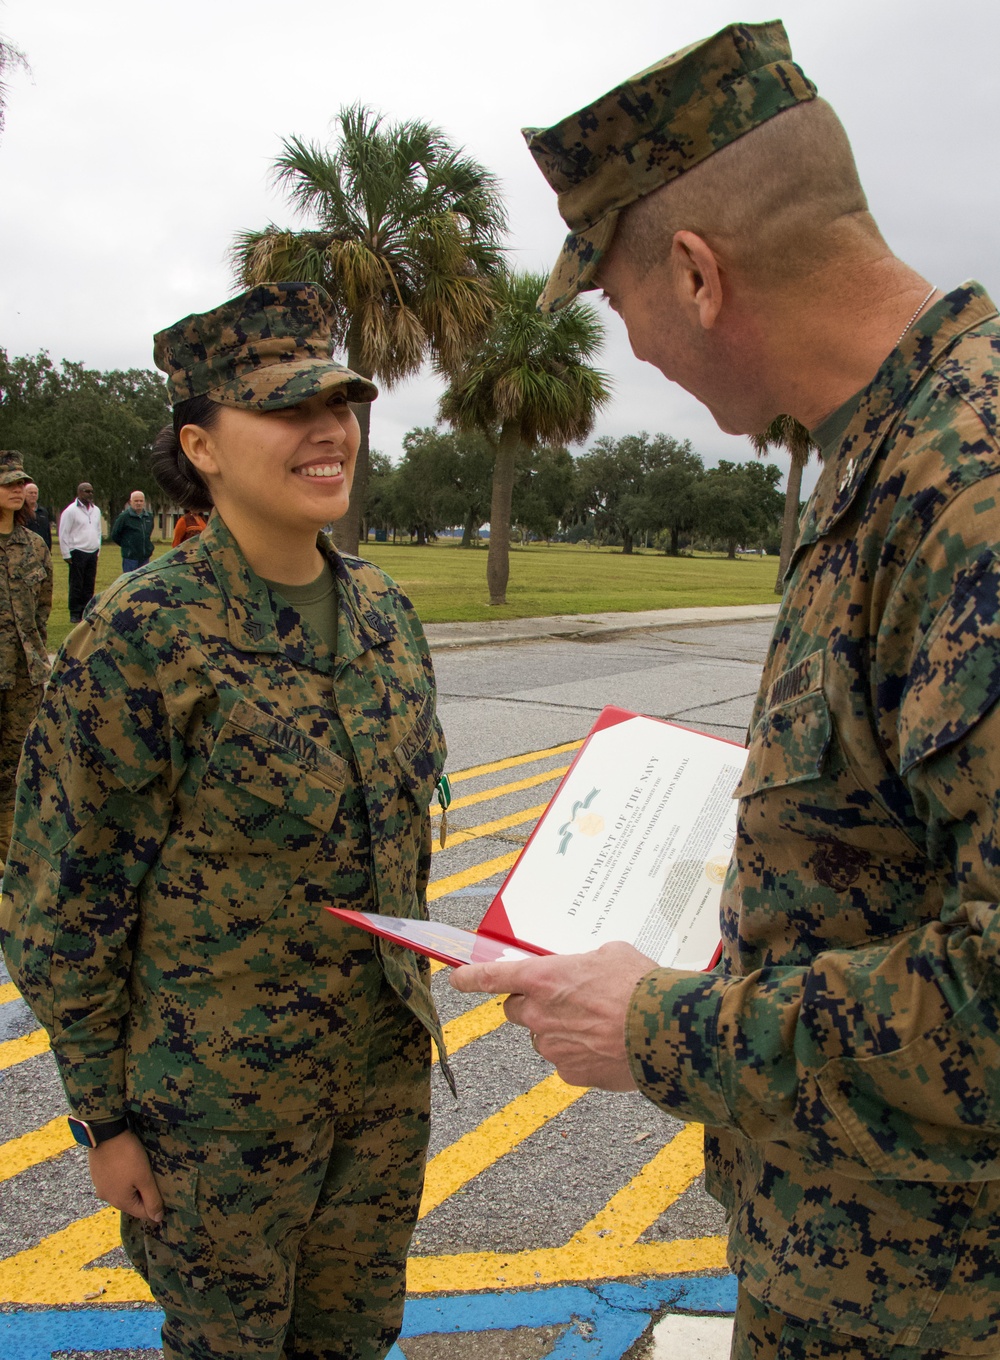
[178,477]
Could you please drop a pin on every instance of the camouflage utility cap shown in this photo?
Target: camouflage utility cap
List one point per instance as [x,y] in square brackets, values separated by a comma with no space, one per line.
[651,129]
[12,468]
[267,348]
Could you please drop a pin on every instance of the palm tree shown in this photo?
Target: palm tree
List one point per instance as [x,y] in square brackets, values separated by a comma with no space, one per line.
[407,242]
[785,432]
[11,59]
[527,383]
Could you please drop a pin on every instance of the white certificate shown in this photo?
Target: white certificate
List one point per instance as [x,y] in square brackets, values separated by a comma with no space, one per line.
[634,846]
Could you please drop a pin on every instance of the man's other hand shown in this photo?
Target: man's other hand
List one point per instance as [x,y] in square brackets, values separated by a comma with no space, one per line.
[573,1005]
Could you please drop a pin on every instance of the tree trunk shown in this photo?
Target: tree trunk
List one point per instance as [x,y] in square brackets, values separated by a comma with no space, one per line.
[732,551]
[347,531]
[468,529]
[498,561]
[627,541]
[790,520]
[675,537]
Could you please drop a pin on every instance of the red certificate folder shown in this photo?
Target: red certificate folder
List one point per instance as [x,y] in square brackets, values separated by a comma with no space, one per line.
[633,846]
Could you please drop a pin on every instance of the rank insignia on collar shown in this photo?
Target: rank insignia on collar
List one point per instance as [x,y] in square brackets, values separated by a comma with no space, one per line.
[845,481]
[255,629]
[374,620]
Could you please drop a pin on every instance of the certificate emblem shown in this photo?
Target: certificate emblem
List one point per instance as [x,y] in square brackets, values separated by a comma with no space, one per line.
[587,823]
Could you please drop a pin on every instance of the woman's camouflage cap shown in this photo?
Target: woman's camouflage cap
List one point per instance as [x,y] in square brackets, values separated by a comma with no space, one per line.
[652,128]
[12,468]
[270,347]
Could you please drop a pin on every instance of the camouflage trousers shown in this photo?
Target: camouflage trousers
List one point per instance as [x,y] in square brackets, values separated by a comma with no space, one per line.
[18,706]
[762,1333]
[291,1244]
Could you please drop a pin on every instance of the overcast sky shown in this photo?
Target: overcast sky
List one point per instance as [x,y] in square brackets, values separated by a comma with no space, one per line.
[141,141]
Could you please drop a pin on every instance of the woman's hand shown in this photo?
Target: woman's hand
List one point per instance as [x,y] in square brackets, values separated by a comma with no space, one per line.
[122,1175]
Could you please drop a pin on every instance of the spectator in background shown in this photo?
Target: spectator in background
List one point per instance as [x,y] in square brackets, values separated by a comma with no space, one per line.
[39,519]
[25,601]
[189,525]
[133,532]
[80,545]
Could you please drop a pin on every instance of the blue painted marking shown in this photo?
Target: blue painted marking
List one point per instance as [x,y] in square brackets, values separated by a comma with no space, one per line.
[601,1321]
[34,1336]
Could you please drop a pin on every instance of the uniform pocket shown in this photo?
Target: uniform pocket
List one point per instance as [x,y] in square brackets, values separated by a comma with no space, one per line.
[268,796]
[790,743]
[420,755]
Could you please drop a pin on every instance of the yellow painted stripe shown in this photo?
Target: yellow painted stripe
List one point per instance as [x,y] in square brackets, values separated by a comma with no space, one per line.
[638,1205]
[460,1163]
[499,790]
[14,1051]
[474,833]
[41,1145]
[441,887]
[8,992]
[54,1271]
[561,1265]
[475,771]
[465,1029]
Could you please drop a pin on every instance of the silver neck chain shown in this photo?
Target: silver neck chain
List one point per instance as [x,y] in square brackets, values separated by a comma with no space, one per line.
[916,314]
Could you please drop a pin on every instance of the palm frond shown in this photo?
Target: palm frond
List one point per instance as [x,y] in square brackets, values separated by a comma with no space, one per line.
[785,432]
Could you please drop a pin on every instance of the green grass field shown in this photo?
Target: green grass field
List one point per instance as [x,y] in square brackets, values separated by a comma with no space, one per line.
[448,583]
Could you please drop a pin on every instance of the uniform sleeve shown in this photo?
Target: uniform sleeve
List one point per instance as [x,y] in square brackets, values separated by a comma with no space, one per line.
[93,807]
[43,604]
[881,1061]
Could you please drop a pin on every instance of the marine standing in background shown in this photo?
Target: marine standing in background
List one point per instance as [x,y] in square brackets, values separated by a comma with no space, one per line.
[845,1060]
[133,532]
[238,736]
[39,519]
[80,545]
[25,601]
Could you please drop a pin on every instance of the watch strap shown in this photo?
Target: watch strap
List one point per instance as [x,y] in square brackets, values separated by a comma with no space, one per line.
[92,1133]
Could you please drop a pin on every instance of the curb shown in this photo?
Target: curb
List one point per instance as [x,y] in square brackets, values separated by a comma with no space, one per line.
[573,627]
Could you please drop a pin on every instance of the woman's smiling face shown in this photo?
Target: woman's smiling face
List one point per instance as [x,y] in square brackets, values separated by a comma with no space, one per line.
[286,471]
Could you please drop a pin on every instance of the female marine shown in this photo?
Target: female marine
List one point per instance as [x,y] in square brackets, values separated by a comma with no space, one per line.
[241,734]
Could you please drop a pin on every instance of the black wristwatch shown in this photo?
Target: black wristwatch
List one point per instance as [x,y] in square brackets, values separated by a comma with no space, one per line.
[93,1135]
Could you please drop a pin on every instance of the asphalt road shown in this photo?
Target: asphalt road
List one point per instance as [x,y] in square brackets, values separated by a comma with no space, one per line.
[531,1183]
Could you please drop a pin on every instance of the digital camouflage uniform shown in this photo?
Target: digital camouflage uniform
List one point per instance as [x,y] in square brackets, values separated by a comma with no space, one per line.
[846,1057]
[25,602]
[848,1064]
[204,777]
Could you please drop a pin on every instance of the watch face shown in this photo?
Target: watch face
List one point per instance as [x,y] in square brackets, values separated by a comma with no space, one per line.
[80,1130]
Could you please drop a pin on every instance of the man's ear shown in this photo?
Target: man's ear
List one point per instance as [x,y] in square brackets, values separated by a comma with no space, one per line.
[199,448]
[697,276]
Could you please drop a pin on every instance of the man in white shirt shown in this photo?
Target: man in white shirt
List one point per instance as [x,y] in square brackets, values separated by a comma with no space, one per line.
[80,544]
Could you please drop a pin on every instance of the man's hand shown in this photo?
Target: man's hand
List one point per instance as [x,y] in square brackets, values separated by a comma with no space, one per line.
[574,1006]
[122,1175]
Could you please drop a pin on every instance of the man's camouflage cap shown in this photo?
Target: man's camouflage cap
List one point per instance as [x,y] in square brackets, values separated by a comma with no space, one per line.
[269,347]
[648,131]
[12,468]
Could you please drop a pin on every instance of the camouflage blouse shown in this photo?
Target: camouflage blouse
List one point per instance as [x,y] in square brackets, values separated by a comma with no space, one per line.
[847,1059]
[204,777]
[25,602]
